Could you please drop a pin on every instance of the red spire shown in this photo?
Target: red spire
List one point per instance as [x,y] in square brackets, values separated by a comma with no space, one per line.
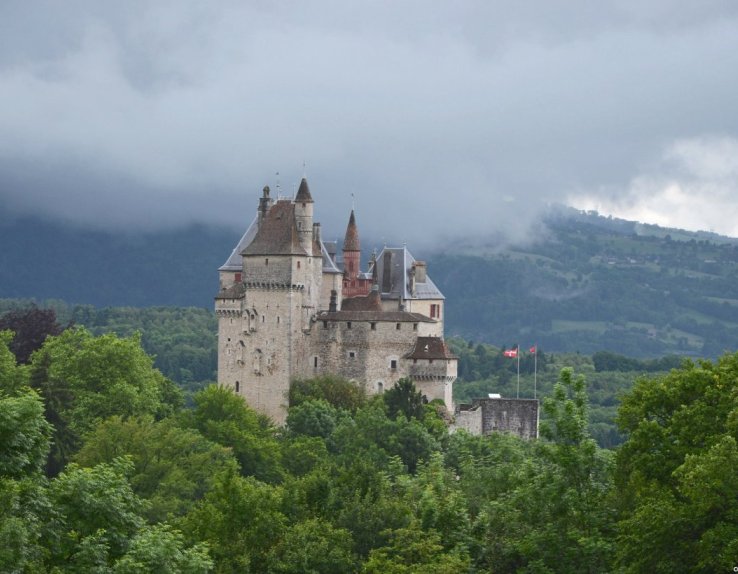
[351,241]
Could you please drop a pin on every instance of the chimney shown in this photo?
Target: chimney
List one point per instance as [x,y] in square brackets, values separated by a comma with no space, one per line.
[265,203]
[411,273]
[387,272]
[332,306]
[316,232]
[421,271]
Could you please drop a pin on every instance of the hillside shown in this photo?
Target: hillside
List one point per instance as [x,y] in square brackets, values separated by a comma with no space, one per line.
[595,283]
[586,283]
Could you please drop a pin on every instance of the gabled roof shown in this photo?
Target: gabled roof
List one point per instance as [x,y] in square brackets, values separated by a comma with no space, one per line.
[233,263]
[394,278]
[277,233]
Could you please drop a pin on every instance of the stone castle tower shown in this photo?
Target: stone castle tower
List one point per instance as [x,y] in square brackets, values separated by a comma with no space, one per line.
[290,307]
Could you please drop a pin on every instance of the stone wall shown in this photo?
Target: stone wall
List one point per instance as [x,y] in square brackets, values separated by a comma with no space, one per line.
[485,416]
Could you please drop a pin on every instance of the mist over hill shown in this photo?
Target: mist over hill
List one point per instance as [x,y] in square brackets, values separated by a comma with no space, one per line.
[585,283]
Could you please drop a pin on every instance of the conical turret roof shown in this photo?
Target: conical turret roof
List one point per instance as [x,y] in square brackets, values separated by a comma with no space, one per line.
[303,193]
[351,241]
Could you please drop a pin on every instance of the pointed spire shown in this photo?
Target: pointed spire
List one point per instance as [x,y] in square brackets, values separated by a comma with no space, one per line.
[351,241]
[303,193]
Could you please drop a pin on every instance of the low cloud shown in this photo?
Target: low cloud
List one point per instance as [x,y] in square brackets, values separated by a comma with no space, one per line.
[440,120]
[694,186]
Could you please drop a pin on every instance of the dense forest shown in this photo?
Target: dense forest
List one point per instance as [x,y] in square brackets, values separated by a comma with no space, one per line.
[103,468]
[581,283]
[182,342]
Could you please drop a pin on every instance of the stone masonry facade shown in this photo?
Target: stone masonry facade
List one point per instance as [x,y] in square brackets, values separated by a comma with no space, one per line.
[290,306]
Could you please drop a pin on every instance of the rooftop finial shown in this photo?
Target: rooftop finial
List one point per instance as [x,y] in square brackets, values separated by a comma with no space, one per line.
[304,170]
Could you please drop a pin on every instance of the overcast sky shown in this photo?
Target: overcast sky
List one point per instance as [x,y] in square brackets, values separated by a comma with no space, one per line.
[442,118]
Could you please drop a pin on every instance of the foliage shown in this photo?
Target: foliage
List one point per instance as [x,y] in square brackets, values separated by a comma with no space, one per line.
[85,379]
[224,418]
[31,327]
[403,398]
[24,434]
[337,391]
[676,471]
[161,549]
[173,467]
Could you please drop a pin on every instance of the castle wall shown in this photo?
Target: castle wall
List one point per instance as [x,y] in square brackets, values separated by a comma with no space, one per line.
[267,268]
[516,416]
[360,352]
[469,419]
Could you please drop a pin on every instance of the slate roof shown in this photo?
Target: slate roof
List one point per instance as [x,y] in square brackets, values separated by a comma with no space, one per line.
[235,291]
[390,316]
[329,265]
[233,263]
[430,348]
[371,302]
[396,285]
[277,233]
[303,193]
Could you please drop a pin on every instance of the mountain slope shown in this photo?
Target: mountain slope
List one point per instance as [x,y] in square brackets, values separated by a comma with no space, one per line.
[589,283]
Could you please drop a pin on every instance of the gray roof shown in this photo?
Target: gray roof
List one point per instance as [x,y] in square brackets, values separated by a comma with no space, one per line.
[398,282]
[328,265]
[233,263]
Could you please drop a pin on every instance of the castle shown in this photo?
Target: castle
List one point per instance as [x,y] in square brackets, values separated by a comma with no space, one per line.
[291,307]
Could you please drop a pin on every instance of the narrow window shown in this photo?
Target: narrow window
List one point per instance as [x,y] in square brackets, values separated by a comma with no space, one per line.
[415,361]
[325,324]
[263,318]
[352,354]
[277,319]
[238,386]
[348,325]
[397,326]
[266,261]
[298,264]
[393,364]
[380,387]
[315,362]
[374,326]
[415,326]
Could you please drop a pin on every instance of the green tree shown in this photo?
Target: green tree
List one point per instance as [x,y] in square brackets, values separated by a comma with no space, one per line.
[94,515]
[314,546]
[161,549]
[676,471]
[174,467]
[337,391]
[413,550]
[240,520]
[224,418]
[86,379]
[404,399]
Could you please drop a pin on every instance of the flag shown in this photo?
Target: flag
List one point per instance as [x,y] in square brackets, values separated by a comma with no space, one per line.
[533,349]
[511,353]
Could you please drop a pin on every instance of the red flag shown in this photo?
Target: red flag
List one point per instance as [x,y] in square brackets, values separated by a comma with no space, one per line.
[511,353]
[533,349]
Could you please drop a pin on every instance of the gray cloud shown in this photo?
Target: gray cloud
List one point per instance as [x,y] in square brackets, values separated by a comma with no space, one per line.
[457,119]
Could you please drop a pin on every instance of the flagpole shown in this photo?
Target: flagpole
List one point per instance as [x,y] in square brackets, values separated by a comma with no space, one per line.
[535,371]
[518,353]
